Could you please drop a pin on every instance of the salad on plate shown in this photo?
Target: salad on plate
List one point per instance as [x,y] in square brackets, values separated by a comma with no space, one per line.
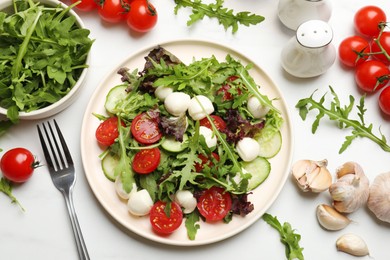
[187,142]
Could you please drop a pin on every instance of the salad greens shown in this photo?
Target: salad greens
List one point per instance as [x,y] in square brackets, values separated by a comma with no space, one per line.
[42,54]
[287,236]
[225,16]
[341,115]
[176,170]
[6,188]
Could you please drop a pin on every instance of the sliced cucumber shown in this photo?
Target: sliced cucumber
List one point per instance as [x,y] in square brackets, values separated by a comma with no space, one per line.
[270,145]
[114,96]
[259,168]
[109,163]
[171,145]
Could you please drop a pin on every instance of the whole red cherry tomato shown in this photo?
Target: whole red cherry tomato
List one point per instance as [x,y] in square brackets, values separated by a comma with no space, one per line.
[384,41]
[372,75]
[142,16]
[113,11]
[352,51]
[18,165]
[384,100]
[367,20]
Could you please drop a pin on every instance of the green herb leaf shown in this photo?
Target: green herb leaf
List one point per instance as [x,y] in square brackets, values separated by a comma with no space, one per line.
[6,188]
[225,16]
[192,225]
[287,236]
[341,115]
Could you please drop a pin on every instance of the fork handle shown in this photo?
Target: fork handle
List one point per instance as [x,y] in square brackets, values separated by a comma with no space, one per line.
[81,247]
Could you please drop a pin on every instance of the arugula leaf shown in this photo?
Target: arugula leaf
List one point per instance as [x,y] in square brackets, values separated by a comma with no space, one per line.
[341,114]
[6,188]
[192,225]
[287,236]
[225,16]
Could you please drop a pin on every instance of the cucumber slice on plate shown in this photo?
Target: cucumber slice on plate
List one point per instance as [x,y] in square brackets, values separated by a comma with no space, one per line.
[170,144]
[270,144]
[109,163]
[115,95]
[259,168]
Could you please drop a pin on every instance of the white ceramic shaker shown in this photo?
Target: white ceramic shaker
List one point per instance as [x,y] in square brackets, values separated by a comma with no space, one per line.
[310,52]
[293,13]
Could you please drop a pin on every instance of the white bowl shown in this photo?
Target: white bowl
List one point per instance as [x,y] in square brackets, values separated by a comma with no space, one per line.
[71,96]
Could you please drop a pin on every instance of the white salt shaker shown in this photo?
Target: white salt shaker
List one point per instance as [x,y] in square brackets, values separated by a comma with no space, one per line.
[292,13]
[310,52]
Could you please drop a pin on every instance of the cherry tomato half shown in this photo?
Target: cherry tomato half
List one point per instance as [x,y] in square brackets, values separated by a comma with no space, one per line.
[352,50]
[112,11]
[225,89]
[372,75]
[146,161]
[384,100]
[142,16]
[384,41]
[217,120]
[86,5]
[163,224]
[214,204]
[145,129]
[205,160]
[18,165]
[107,131]
[367,19]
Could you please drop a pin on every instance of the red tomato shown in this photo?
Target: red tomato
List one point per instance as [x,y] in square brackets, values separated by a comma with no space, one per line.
[86,5]
[112,11]
[372,75]
[163,224]
[145,130]
[214,204]
[367,20]
[142,16]
[107,131]
[349,49]
[384,100]
[217,120]
[199,166]
[225,89]
[146,161]
[384,41]
[18,165]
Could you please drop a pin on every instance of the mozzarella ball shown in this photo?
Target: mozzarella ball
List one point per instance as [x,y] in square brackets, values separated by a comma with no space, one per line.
[248,149]
[177,103]
[256,108]
[119,189]
[209,136]
[162,92]
[139,203]
[196,106]
[186,200]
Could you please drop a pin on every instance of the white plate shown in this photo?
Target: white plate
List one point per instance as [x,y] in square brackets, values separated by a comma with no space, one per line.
[262,197]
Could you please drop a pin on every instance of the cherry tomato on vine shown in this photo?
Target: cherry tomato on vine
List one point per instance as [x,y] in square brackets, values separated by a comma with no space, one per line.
[214,204]
[146,161]
[107,131]
[142,16]
[384,41]
[352,50]
[372,75]
[384,100]
[161,222]
[86,5]
[113,11]
[18,165]
[367,20]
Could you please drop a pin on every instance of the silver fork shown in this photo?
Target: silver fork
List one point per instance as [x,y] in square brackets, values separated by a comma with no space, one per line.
[63,175]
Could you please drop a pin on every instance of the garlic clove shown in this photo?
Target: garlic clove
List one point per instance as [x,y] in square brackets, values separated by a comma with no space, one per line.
[351,189]
[379,197]
[331,219]
[311,175]
[352,244]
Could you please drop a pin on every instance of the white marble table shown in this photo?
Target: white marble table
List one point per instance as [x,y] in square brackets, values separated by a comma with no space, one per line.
[43,231]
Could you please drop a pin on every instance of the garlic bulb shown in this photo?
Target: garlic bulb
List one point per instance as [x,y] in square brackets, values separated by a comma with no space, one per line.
[379,197]
[352,244]
[331,219]
[351,189]
[312,175]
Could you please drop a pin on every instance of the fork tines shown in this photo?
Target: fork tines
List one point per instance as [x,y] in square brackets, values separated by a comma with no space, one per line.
[57,157]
